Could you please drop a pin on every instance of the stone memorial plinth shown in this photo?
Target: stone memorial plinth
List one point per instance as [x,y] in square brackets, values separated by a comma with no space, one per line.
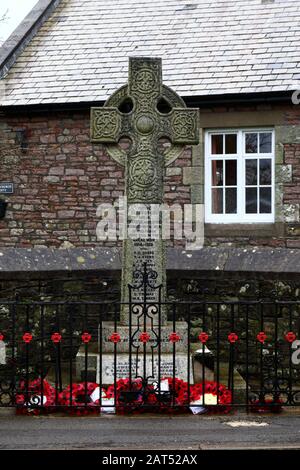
[139,368]
[108,349]
[125,335]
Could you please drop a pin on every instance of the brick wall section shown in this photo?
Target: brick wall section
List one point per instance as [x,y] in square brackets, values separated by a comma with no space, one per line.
[292,157]
[60,181]
[62,178]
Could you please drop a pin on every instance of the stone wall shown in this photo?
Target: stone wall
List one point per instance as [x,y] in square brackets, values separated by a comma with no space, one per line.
[60,178]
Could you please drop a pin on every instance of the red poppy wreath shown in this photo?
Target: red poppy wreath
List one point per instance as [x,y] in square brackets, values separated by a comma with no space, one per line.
[81,398]
[35,396]
[172,395]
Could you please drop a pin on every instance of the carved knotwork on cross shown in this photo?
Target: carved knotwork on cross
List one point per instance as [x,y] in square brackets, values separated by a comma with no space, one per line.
[144,125]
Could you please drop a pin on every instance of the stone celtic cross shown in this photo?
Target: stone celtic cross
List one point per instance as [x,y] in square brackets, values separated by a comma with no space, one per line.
[144,164]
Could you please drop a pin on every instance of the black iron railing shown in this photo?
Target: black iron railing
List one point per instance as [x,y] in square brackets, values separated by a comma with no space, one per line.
[250,347]
[82,356]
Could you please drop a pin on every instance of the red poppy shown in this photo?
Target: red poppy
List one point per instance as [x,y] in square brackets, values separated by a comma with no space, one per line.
[56,337]
[290,337]
[233,338]
[203,337]
[261,337]
[1,337]
[144,337]
[86,337]
[27,337]
[174,337]
[115,338]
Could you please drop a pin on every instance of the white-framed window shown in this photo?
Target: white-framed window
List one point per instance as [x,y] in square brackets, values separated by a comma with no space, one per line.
[239,176]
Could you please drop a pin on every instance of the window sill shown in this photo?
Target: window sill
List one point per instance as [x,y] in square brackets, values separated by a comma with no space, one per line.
[237,230]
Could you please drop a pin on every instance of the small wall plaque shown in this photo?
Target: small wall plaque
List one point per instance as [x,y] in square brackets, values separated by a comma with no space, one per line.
[6,188]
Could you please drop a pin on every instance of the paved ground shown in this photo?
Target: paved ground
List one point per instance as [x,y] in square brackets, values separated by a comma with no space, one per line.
[237,431]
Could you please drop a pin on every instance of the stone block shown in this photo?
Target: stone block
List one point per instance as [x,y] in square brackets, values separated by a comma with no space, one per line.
[166,346]
[65,214]
[279,153]
[173,171]
[279,216]
[58,170]
[11,159]
[74,172]
[197,194]
[293,244]
[48,139]
[291,212]
[116,367]
[198,153]
[52,179]
[283,174]
[166,366]
[288,134]
[193,175]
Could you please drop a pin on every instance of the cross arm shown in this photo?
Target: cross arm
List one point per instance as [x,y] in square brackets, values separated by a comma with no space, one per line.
[182,126]
[108,125]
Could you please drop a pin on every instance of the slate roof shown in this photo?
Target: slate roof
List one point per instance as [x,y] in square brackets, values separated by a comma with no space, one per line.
[209,47]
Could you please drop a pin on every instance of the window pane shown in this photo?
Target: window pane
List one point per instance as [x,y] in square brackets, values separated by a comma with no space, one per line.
[230,143]
[265,201]
[251,143]
[230,173]
[230,201]
[217,172]
[265,171]
[251,200]
[217,201]
[251,172]
[217,144]
[265,142]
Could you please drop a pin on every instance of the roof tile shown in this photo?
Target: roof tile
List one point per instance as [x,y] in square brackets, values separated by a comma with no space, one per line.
[220,46]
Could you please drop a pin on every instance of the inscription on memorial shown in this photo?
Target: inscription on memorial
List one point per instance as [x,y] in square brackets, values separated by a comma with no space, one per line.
[2,353]
[137,367]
